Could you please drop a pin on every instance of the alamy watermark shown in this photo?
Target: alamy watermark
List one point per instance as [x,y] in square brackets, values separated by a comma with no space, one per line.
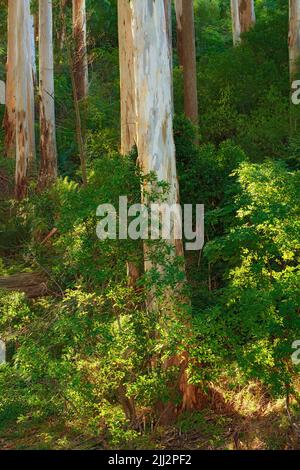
[295,97]
[296,354]
[156,221]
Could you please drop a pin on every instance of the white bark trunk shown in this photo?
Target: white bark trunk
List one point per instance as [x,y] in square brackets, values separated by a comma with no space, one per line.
[243,18]
[48,168]
[10,111]
[294,39]
[25,142]
[153,98]
[80,57]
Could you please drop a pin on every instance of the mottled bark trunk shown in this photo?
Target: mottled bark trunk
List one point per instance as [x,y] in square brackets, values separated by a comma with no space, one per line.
[127,86]
[10,110]
[153,96]
[155,142]
[80,62]
[187,56]
[48,165]
[243,18]
[25,148]
[294,39]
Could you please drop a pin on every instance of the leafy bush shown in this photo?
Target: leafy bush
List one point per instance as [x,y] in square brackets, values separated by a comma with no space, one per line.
[255,317]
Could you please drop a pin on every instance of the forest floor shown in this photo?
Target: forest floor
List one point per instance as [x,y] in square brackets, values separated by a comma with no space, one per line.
[247,420]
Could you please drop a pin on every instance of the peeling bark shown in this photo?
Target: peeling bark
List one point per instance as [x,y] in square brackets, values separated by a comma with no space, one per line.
[294,39]
[48,165]
[243,18]
[25,148]
[80,61]
[187,56]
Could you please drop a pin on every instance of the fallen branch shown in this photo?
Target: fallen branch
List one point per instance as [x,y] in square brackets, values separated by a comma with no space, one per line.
[32,284]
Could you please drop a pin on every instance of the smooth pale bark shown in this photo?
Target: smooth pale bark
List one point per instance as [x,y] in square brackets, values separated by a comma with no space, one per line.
[243,18]
[10,110]
[80,62]
[155,143]
[153,98]
[48,165]
[294,39]
[187,56]
[127,86]
[25,144]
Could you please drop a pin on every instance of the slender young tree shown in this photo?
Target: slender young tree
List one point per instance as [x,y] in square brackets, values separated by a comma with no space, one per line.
[31,83]
[187,56]
[25,142]
[10,109]
[80,62]
[243,18]
[127,86]
[168,13]
[48,165]
[294,39]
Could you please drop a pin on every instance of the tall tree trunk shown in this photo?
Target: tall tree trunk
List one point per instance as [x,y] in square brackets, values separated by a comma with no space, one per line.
[187,56]
[154,130]
[153,96]
[243,18]
[127,86]
[25,148]
[10,110]
[48,165]
[31,82]
[80,61]
[168,13]
[294,39]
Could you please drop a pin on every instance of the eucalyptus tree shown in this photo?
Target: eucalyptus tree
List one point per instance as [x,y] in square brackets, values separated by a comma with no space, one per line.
[24,98]
[186,45]
[243,18]
[10,109]
[48,151]
[294,39]
[80,61]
